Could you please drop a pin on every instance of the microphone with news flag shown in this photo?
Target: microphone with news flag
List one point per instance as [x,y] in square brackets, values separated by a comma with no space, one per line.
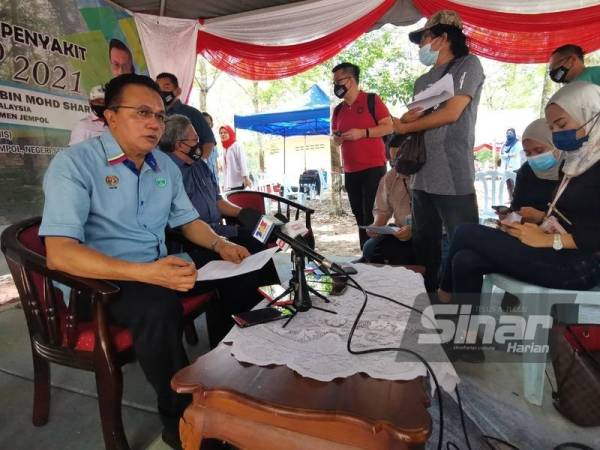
[264,227]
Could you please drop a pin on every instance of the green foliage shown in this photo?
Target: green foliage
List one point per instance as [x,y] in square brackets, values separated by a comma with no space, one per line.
[385,68]
[484,155]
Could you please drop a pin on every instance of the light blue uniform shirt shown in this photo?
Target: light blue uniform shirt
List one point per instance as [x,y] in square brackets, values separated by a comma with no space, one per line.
[93,195]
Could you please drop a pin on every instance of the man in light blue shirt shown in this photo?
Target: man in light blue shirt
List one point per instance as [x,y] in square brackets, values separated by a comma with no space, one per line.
[107,203]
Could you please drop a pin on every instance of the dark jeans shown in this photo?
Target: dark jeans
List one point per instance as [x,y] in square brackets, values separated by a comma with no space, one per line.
[361,188]
[429,213]
[386,249]
[236,294]
[154,316]
[477,250]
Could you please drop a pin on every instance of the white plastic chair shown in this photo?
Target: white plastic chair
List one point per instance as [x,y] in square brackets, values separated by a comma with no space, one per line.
[538,301]
[494,191]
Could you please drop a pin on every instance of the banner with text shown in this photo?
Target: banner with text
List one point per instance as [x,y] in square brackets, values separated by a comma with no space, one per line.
[52,52]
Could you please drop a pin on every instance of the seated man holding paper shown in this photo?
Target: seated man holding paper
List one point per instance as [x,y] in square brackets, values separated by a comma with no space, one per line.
[107,203]
[390,244]
[236,294]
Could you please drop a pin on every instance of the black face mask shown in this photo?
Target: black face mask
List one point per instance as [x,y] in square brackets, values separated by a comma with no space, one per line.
[339,90]
[98,110]
[559,74]
[167,97]
[194,151]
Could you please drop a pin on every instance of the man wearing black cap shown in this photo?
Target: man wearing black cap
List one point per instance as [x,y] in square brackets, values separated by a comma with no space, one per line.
[443,189]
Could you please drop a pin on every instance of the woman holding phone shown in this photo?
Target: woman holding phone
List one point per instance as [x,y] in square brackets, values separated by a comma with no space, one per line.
[538,178]
[564,251]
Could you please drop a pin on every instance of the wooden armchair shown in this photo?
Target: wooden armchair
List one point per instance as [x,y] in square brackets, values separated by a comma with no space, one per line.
[60,333]
[286,209]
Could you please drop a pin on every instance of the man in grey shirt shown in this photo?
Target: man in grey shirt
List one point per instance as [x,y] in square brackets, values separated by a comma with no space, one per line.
[443,190]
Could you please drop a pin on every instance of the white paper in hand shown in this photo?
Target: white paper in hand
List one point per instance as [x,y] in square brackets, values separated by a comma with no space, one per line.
[389,229]
[438,92]
[216,270]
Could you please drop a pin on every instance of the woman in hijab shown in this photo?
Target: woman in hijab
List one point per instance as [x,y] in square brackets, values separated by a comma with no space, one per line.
[564,251]
[511,151]
[236,169]
[538,177]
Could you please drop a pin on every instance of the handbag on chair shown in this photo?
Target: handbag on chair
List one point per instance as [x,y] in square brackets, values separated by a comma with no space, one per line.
[575,352]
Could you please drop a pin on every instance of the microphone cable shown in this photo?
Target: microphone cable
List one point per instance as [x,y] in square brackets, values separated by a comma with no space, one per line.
[449,444]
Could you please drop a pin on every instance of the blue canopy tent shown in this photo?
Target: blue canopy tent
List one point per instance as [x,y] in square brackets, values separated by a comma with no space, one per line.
[308,117]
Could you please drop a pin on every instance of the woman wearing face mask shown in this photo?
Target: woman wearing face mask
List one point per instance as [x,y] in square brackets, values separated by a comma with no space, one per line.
[563,252]
[511,151]
[234,157]
[538,178]
[443,191]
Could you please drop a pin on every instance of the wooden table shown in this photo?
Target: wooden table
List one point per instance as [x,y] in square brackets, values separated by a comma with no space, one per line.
[274,408]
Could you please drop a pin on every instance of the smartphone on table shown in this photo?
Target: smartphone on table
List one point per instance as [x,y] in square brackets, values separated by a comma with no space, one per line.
[274,291]
[262,315]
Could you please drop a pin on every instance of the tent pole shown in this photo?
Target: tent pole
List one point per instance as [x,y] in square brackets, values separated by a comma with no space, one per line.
[163,5]
[284,153]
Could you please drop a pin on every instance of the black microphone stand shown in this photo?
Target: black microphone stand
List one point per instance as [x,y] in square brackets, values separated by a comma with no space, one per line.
[300,289]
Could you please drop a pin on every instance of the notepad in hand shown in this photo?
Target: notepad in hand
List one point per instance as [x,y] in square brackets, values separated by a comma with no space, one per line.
[388,229]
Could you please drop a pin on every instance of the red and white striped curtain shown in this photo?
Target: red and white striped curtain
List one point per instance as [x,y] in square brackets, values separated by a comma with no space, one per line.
[285,40]
[522,31]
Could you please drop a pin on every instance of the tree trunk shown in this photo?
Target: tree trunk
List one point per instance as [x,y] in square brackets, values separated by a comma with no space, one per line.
[202,80]
[336,180]
[547,89]
[261,150]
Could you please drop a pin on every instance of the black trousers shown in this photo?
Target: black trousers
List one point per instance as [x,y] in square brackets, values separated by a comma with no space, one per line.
[236,294]
[154,316]
[361,187]
[429,213]
[477,250]
[386,249]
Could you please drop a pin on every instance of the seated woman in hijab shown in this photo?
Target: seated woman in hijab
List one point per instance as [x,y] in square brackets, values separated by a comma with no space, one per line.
[564,251]
[538,178]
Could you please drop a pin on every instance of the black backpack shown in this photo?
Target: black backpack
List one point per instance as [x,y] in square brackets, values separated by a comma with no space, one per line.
[371,108]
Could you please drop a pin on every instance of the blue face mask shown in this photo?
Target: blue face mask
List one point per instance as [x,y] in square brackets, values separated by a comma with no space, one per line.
[542,162]
[567,140]
[427,56]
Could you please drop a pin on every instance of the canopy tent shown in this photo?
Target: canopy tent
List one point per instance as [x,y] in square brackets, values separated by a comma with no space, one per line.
[265,40]
[308,116]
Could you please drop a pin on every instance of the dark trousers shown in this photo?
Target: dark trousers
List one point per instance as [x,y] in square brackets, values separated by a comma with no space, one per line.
[429,213]
[361,187]
[386,249]
[236,294]
[154,316]
[477,250]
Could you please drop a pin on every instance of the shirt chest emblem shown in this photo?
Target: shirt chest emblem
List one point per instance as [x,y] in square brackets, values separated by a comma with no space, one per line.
[112,181]
[161,182]
[360,110]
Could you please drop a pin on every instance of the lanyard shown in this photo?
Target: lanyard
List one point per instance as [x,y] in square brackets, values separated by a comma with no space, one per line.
[552,206]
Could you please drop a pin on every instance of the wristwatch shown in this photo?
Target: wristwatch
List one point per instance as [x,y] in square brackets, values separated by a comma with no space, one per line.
[557,244]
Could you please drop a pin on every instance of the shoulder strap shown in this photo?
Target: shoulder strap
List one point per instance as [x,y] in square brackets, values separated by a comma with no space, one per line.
[448,67]
[371,105]
[337,108]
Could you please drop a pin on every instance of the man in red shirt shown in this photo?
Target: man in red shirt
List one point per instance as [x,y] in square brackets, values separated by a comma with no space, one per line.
[359,129]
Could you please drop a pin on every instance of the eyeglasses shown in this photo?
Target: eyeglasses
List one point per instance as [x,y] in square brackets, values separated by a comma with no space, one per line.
[339,80]
[560,62]
[195,141]
[144,113]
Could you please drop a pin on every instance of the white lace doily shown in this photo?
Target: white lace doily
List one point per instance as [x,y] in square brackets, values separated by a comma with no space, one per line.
[314,342]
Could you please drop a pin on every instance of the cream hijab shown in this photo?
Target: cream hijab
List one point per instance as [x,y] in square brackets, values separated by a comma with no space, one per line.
[539,131]
[581,101]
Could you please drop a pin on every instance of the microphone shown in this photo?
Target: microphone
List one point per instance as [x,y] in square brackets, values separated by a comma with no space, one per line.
[249,218]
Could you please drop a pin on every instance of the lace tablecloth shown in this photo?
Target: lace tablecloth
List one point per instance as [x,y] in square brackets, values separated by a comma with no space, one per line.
[314,342]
